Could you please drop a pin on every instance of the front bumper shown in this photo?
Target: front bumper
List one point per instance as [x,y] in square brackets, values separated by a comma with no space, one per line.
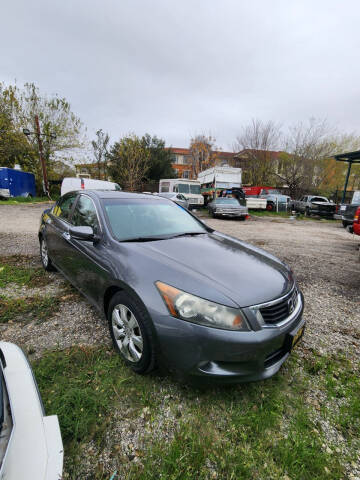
[222,355]
[228,213]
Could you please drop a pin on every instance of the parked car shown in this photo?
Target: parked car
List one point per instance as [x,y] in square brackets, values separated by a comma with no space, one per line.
[174,291]
[275,200]
[356,222]
[346,212]
[16,183]
[314,205]
[71,184]
[227,207]
[30,443]
[178,198]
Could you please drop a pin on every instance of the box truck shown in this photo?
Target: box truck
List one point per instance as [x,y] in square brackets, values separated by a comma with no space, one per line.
[16,183]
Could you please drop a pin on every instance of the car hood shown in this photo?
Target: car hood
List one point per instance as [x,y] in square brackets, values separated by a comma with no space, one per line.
[216,266]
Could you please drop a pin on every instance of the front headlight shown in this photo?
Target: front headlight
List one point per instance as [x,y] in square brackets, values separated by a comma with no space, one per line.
[197,310]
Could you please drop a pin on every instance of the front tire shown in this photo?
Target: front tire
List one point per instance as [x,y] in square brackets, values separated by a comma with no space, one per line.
[132,332]
[45,259]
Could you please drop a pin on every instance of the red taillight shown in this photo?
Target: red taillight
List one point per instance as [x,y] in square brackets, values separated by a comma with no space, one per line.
[82,184]
[357,216]
[337,208]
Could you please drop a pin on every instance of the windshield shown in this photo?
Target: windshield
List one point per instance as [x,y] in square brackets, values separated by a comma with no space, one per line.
[356,197]
[195,189]
[272,192]
[228,201]
[139,218]
[183,187]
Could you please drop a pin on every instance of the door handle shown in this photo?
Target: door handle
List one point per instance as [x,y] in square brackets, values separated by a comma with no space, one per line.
[67,236]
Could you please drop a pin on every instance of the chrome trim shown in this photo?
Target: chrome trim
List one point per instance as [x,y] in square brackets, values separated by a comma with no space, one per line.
[255,309]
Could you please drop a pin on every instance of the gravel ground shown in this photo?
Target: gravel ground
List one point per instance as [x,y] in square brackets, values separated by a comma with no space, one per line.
[323,256]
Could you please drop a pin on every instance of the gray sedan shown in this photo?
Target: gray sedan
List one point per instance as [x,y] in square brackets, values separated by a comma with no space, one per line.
[227,207]
[177,198]
[174,291]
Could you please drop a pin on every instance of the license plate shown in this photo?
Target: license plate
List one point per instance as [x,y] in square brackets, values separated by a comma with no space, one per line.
[297,336]
[343,207]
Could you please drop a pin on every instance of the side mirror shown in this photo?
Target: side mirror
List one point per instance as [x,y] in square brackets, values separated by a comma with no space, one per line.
[82,233]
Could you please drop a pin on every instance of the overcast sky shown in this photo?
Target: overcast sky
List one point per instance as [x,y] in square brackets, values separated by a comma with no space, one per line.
[177,68]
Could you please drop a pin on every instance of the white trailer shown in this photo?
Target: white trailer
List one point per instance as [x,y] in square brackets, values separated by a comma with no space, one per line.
[215,179]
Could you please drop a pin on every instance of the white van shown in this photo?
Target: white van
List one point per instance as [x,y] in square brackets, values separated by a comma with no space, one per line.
[189,188]
[70,184]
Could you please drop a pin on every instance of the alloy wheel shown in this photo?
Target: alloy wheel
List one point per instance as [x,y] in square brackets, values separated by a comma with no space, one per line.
[127,333]
[44,253]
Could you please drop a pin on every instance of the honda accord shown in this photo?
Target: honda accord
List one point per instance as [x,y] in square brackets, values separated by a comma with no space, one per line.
[174,291]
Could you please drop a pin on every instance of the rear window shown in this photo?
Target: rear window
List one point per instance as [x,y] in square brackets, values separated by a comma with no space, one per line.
[227,201]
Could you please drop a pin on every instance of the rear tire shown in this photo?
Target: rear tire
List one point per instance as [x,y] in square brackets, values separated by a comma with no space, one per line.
[344,224]
[44,255]
[307,212]
[132,332]
[270,207]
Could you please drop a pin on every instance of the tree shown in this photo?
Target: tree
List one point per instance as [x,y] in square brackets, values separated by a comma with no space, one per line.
[160,159]
[203,153]
[55,116]
[100,151]
[129,162]
[14,147]
[259,139]
[308,146]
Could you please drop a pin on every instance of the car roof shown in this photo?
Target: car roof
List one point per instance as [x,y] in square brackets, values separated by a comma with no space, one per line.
[117,194]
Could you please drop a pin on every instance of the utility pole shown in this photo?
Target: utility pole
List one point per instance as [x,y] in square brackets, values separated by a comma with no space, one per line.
[42,160]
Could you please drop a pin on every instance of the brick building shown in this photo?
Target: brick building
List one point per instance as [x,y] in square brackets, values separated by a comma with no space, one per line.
[183,163]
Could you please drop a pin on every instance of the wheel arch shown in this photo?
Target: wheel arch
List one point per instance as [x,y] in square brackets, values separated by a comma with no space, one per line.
[112,290]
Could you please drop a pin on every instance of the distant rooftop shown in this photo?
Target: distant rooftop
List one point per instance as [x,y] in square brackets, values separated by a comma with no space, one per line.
[353,157]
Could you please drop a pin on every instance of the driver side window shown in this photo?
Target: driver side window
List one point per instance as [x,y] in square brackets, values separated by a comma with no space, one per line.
[64,206]
[85,214]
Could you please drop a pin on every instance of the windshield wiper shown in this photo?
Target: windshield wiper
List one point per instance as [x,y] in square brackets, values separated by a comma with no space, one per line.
[185,234]
[162,237]
[144,239]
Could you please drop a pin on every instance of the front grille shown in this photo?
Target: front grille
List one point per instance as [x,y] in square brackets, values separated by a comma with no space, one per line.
[280,311]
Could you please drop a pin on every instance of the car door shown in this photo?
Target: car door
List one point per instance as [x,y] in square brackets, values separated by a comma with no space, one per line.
[57,229]
[89,268]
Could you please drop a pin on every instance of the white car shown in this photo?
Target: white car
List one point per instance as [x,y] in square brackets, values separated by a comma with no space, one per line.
[30,443]
[71,184]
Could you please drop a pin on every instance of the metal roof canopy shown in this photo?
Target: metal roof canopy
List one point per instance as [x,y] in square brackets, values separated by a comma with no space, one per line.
[350,157]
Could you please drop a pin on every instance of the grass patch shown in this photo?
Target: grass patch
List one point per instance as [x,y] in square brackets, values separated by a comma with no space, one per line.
[22,275]
[261,430]
[26,309]
[84,386]
[341,380]
[20,200]
[266,213]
